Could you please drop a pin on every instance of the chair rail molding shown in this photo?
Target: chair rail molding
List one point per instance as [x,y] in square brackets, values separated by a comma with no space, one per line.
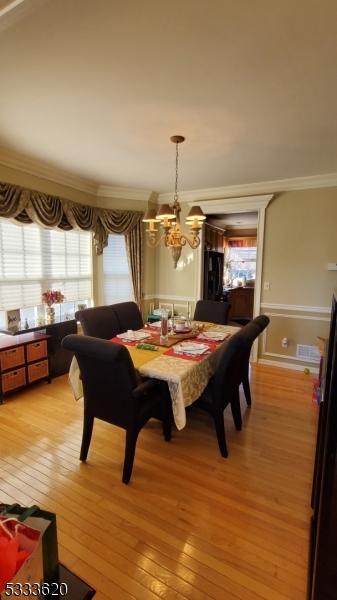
[296,307]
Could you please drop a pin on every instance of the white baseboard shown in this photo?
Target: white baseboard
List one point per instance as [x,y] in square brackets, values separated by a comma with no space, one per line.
[286,365]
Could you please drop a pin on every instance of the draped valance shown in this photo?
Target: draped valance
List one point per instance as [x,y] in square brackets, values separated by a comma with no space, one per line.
[31,206]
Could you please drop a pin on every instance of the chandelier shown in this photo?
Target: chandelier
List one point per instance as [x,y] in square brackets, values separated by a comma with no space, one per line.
[168,216]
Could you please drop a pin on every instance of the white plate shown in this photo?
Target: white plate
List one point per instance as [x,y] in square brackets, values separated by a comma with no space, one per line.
[133,336]
[217,336]
[190,348]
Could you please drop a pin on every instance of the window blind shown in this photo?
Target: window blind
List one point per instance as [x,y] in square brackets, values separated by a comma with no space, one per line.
[117,284]
[33,259]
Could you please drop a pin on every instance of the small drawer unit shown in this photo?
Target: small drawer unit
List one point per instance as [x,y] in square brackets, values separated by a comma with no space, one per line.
[13,357]
[23,360]
[36,350]
[13,379]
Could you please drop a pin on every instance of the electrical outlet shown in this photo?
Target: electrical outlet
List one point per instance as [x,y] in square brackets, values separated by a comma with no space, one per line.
[284,342]
[266,286]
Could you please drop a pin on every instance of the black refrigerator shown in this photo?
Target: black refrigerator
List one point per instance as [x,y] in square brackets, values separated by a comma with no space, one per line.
[323,540]
[213,275]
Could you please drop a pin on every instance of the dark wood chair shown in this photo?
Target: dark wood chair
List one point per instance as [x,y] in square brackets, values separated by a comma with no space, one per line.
[212,311]
[128,316]
[223,389]
[100,322]
[249,333]
[113,393]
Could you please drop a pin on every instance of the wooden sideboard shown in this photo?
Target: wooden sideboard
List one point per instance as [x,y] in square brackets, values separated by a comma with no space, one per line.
[34,355]
[23,360]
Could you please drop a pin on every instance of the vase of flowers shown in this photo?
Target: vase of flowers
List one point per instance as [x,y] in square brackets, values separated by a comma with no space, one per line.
[49,298]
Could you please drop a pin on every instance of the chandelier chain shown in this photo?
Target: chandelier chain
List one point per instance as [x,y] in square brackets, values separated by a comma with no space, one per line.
[176,183]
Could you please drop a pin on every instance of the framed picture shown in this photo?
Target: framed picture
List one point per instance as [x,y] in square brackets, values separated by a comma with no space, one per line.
[13,318]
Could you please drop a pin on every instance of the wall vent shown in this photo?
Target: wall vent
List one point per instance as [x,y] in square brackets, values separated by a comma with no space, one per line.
[310,353]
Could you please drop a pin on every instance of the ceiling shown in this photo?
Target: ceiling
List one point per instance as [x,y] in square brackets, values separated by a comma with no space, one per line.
[97,89]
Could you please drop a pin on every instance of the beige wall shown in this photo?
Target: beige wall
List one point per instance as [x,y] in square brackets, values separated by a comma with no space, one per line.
[179,282]
[300,239]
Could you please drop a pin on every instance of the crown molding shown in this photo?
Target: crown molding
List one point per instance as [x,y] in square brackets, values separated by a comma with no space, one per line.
[123,193]
[41,169]
[38,168]
[239,204]
[263,187]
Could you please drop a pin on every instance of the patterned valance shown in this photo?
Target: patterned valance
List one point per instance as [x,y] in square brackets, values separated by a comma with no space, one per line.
[29,206]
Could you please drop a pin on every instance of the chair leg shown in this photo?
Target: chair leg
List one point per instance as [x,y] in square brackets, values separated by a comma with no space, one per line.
[88,423]
[246,388]
[167,429]
[220,433]
[130,449]
[236,410]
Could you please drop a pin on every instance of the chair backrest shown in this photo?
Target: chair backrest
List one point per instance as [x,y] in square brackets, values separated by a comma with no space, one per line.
[248,335]
[108,378]
[261,321]
[100,322]
[128,316]
[227,376]
[212,311]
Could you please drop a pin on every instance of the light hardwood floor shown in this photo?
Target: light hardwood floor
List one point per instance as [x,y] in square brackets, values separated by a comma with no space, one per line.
[190,524]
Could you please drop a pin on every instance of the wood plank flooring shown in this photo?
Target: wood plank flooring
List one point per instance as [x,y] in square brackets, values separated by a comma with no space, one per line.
[190,524]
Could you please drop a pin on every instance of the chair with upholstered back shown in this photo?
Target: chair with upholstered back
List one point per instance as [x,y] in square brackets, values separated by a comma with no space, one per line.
[223,389]
[128,316]
[100,322]
[113,393]
[249,333]
[212,311]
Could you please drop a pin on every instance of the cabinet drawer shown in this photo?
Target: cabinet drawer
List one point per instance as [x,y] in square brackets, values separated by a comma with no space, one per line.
[37,370]
[12,357]
[13,379]
[36,350]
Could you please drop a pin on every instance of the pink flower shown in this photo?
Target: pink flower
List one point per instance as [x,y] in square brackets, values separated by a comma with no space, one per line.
[51,297]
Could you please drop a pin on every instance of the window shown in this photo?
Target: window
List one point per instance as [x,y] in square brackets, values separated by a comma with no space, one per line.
[117,284]
[240,259]
[33,259]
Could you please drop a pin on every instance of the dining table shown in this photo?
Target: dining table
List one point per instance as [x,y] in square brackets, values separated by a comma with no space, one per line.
[186,362]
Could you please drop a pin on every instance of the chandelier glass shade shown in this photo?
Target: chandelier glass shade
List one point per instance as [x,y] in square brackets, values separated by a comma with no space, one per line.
[168,217]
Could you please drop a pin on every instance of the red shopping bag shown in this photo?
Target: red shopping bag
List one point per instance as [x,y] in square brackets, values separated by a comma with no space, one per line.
[17,544]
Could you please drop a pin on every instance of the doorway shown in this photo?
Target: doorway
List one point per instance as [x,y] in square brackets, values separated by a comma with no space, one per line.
[230,206]
[230,246]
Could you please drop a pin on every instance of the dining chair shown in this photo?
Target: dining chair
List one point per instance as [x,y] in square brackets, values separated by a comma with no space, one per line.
[249,333]
[212,311]
[223,389]
[128,316]
[113,393]
[100,322]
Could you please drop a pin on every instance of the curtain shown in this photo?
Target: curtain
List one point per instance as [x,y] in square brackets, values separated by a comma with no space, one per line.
[249,242]
[134,250]
[27,206]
